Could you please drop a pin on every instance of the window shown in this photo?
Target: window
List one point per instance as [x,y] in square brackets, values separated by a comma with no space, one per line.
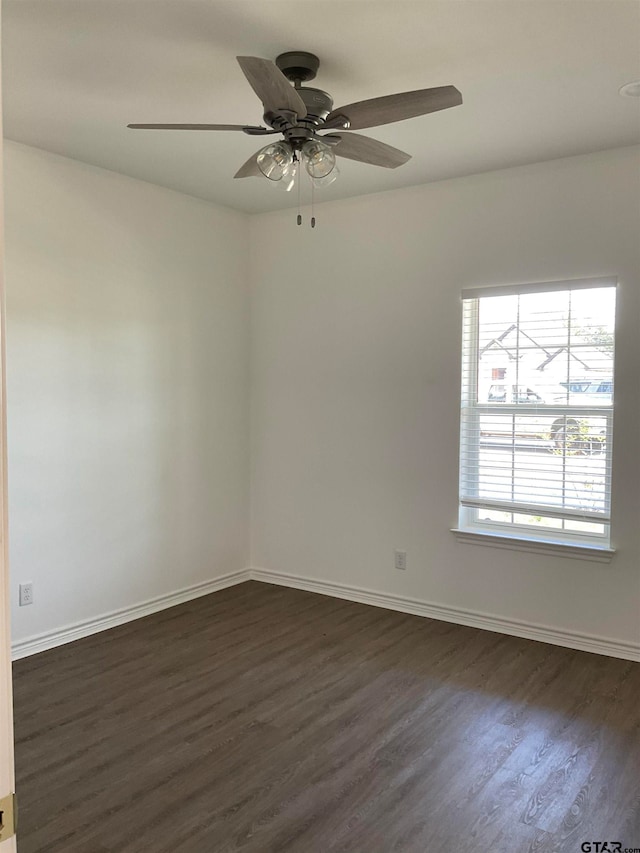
[535,449]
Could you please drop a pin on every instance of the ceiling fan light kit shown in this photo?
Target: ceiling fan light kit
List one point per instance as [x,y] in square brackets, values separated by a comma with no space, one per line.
[320,160]
[300,113]
[275,161]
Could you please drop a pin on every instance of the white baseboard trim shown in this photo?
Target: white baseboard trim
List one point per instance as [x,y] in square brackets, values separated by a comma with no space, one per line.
[417,607]
[51,639]
[474,619]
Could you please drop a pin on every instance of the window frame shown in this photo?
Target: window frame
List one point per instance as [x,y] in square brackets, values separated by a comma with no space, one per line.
[470,526]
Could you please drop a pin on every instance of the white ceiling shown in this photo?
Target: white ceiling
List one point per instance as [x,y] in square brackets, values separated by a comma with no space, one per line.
[539,80]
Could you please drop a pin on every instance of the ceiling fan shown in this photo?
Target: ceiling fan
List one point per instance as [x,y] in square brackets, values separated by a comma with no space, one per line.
[300,113]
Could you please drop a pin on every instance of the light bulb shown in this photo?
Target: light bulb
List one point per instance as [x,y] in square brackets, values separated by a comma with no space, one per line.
[276,161]
[320,160]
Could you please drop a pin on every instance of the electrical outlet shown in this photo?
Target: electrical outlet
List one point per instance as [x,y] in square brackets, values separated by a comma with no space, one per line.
[401,560]
[26,594]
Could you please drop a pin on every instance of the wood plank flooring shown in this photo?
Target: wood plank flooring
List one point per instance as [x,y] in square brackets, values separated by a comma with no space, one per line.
[268,720]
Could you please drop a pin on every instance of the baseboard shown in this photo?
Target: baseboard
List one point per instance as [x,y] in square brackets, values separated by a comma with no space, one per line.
[42,642]
[474,619]
[417,607]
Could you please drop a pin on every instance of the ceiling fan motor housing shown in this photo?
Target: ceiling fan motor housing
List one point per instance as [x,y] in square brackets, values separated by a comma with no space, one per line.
[318,103]
[298,66]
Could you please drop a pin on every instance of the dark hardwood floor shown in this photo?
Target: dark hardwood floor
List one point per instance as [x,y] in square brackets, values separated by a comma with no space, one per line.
[265,719]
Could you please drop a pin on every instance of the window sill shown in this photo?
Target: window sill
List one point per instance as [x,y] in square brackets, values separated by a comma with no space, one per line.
[591,553]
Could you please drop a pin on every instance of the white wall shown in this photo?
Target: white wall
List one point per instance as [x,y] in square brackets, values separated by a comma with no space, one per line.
[128,350]
[356,375]
[127,389]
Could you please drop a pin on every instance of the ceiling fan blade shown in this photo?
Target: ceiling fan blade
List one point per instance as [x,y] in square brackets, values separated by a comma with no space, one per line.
[249,169]
[398,107]
[355,146]
[271,86]
[246,128]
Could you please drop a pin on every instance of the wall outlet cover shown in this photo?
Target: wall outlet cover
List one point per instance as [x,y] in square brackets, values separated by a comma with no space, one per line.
[26,593]
[400,560]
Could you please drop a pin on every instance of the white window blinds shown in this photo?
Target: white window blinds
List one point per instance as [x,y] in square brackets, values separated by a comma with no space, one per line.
[537,410]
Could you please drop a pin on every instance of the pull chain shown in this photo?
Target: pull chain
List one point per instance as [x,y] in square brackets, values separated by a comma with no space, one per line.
[313,219]
[298,178]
